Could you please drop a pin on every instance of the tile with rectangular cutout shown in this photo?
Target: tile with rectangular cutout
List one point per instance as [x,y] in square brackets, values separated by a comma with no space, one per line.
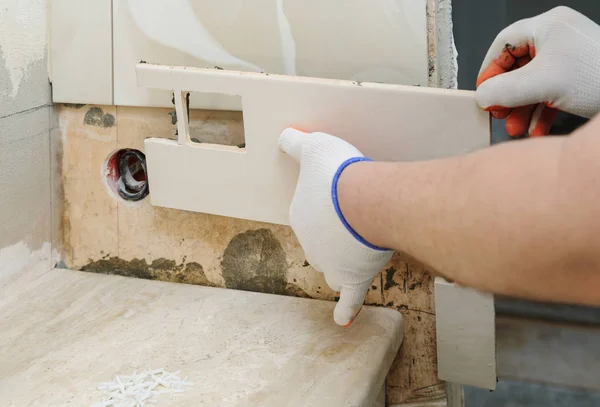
[257,182]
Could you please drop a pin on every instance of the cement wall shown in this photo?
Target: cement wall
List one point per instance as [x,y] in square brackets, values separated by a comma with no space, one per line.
[26,119]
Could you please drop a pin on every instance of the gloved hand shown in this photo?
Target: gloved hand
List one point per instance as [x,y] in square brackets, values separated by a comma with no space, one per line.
[348,262]
[538,65]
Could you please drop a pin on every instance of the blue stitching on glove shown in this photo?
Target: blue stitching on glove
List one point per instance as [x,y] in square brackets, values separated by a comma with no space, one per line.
[336,204]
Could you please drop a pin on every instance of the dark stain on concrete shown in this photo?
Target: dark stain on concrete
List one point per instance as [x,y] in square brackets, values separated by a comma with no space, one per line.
[160,269]
[96,117]
[389,278]
[73,105]
[295,291]
[255,261]
[305,264]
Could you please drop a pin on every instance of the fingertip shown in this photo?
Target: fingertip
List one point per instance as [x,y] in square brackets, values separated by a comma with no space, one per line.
[352,320]
[518,120]
[519,51]
[500,113]
[350,303]
[290,141]
[291,132]
[344,316]
[492,70]
[532,51]
[541,121]
[515,129]
[521,62]
[505,60]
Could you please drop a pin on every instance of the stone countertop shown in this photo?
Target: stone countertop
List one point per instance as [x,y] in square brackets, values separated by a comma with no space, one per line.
[64,332]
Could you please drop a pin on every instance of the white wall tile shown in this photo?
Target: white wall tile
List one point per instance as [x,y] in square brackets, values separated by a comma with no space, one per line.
[378,40]
[81,51]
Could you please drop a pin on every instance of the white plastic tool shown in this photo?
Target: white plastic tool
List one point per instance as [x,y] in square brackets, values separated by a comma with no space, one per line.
[386,122]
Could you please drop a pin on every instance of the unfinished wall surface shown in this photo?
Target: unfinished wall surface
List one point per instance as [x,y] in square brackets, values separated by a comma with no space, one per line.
[102,233]
[26,119]
[105,234]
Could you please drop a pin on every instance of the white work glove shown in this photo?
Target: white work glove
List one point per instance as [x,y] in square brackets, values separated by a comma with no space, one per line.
[348,262]
[538,65]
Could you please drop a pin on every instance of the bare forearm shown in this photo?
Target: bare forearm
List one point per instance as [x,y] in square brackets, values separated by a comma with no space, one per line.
[517,219]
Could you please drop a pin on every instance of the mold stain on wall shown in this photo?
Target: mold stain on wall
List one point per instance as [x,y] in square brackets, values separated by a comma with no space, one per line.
[255,261]
[106,235]
[95,116]
[159,269]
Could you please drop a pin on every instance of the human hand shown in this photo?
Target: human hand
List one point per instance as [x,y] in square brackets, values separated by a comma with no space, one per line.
[538,65]
[348,262]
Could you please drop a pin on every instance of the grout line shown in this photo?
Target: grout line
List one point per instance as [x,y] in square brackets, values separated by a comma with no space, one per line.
[20,139]
[32,109]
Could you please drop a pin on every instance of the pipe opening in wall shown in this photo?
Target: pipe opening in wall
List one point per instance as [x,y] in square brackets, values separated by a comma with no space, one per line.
[126,174]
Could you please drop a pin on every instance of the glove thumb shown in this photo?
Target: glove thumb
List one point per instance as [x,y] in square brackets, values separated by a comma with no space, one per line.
[291,142]
[521,87]
[350,303]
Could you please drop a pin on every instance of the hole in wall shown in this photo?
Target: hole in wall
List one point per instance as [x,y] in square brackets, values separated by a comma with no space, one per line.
[126,174]
[224,127]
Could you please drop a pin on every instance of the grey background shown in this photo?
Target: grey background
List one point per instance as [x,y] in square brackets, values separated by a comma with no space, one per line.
[476,24]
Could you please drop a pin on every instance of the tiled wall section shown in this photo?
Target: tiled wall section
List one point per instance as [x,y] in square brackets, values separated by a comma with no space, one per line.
[104,234]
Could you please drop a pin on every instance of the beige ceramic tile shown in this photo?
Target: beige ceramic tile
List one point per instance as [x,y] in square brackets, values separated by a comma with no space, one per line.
[379,41]
[81,51]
